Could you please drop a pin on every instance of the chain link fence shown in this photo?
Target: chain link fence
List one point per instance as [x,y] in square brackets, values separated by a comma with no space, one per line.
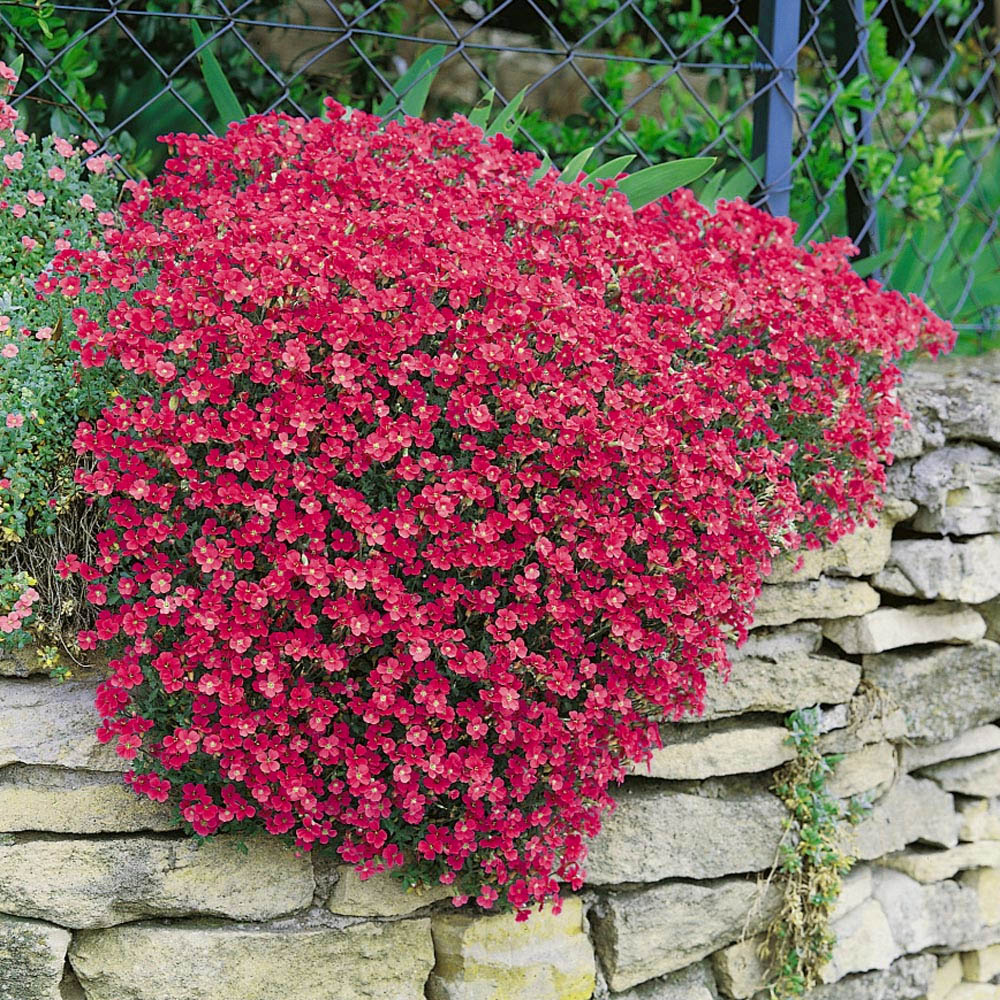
[872,118]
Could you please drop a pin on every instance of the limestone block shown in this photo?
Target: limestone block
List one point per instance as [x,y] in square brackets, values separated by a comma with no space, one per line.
[781,685]
[917,624]
[944,690]
[209,961]
[991,615]
[984,937]
[97,883]
[32,956]
[861,553]
[696,982]
[979,819]
[942,914]
[933,866]
[782,603]
[871,767]
[855,889]
[381,895]
[835,717]
[978,776]
[739,970]
[952,398]
[863,941]
[865,720]
[656,833]
[982,965]
[728,746]
[906,979]
[981,739]
[946,978]
[46,723]
[912,810]
[956,488]
[929,568]
[58,800]
[985,882]
[775,643]
[546,956]
[645,934]
[974,991]
[21,662]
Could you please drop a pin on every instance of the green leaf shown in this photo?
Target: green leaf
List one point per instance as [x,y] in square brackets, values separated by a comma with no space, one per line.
[742,181]
[480,114]
[610,169]
[573,168]
[653,183]
[222,95]
[17,65]
[542,170]
[867,265]
[710,192]
[414,85]
[507,121]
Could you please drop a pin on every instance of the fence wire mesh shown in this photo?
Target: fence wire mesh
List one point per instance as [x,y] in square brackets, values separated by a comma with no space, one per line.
[872,118]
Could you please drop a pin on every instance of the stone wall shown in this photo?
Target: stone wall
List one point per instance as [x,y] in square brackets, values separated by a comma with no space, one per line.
[100,897]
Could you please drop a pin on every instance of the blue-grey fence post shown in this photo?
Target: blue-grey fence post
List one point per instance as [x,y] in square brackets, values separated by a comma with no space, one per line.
[774,107]
[851,35]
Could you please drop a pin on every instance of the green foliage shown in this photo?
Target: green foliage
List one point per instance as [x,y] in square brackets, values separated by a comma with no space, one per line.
[812,860]
[412,88]
[953,262]
[41,394]
[56,196]
[654,182]
[222,95]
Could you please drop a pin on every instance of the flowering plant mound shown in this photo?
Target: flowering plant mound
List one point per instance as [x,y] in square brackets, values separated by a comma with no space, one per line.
[447,487]
[54,194]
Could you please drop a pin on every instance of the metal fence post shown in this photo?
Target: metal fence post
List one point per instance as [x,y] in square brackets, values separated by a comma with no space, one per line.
[774,107]
[851,34]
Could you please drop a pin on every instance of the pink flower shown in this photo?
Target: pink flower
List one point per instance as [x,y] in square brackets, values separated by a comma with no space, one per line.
[28,243]
[14,420]
[43,333]
[35,198]
[106,218]
[97,164]
[87,202]
[57,174]
[90,146]
[7,73]
[19,211]
[21,137]
[62,147]
[9,350]
[14,161]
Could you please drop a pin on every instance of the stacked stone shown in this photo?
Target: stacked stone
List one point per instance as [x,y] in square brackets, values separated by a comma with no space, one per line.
[894,633]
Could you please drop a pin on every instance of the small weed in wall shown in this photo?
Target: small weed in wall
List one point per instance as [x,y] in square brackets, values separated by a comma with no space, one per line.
[812,861]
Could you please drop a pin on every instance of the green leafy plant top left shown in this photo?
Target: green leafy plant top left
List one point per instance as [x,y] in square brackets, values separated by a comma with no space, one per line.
[56,195]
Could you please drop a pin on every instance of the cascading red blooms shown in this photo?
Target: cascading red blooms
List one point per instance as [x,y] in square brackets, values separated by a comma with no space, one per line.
[449,486]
